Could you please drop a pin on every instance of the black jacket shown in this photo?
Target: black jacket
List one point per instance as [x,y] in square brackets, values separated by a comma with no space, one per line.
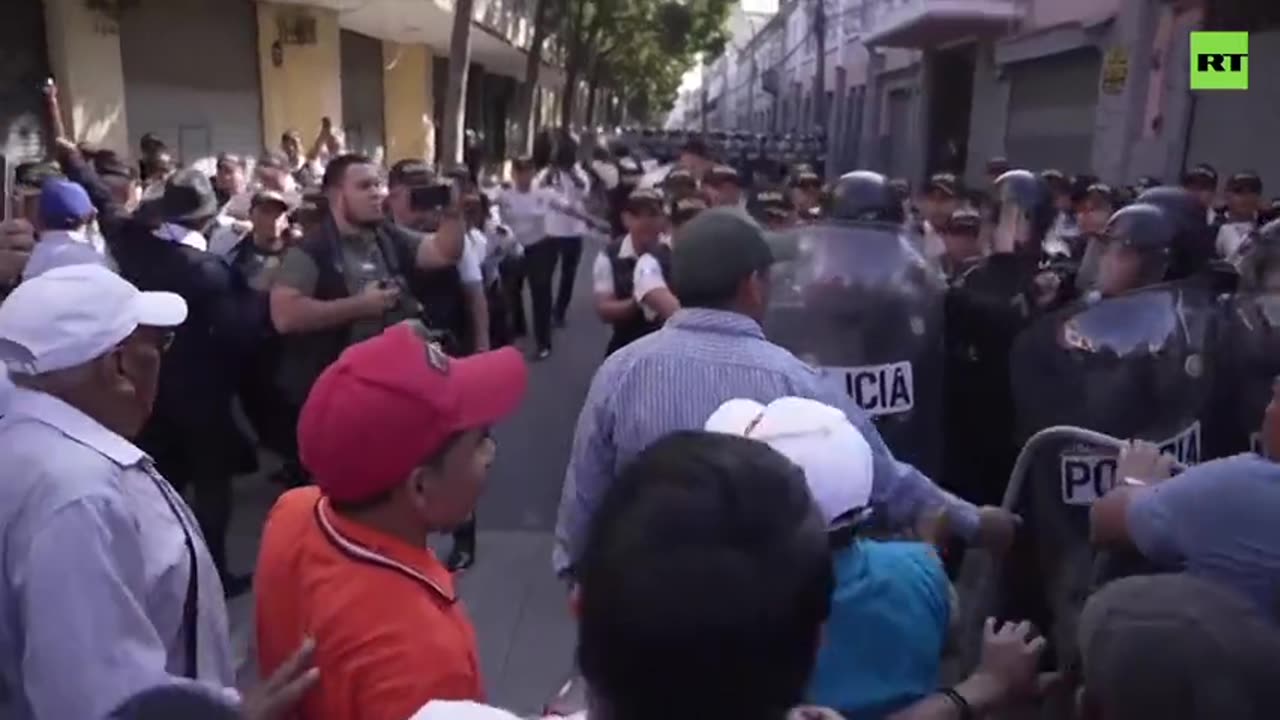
[200,372]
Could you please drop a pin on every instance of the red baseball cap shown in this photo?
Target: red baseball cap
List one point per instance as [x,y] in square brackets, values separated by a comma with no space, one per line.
[389,403]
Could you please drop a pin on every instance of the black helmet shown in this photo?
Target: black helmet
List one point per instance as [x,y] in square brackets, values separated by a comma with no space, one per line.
[1024,190]
[1144,228]
[865,196]
[1193,243]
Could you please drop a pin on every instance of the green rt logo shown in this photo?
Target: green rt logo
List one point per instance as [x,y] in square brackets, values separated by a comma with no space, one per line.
[1219,61]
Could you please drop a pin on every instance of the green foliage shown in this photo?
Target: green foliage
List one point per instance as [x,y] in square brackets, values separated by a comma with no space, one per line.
[640,49]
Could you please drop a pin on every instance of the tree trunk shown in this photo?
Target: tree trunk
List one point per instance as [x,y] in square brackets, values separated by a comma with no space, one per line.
[532,70]
[455,98]
[575,50]
[593,85]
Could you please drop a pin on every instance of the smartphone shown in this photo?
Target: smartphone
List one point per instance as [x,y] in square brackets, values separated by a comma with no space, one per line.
[430,197]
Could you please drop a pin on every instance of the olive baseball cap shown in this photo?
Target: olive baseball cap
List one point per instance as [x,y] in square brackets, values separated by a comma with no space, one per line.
[714,252]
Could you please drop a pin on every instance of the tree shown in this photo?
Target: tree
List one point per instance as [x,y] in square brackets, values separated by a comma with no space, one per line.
[455,98]
[545,13]
[637,48]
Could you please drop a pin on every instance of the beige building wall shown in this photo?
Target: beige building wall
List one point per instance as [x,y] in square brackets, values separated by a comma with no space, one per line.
[307,85]
[84,55]
[408,98]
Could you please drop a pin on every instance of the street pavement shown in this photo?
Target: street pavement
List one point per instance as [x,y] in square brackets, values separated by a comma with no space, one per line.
[519,609]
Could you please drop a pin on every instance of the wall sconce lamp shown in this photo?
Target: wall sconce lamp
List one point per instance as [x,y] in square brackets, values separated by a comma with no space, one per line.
[277,53]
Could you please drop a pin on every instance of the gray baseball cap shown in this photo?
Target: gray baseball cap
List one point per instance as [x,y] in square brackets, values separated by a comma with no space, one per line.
[714,252]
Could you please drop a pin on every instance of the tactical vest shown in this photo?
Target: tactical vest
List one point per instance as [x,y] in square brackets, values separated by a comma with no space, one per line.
[636,326]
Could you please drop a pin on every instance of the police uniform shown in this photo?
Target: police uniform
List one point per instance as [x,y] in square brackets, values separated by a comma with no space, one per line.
[624,273]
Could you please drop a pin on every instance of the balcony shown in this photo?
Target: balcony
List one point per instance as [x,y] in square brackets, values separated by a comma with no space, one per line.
[925,24]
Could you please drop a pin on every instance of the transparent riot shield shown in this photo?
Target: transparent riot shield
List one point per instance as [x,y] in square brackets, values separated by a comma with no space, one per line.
[1248,364]
[861,303]
[1134,366]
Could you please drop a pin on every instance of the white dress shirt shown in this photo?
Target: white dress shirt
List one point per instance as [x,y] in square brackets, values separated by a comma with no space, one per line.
[563,191]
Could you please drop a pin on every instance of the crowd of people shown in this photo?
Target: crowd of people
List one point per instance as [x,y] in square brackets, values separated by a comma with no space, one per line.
[736,538]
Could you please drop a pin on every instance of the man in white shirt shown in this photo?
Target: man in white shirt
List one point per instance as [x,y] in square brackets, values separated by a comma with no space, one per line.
[566,221]
[629,276]
[524,209]
[1244,201]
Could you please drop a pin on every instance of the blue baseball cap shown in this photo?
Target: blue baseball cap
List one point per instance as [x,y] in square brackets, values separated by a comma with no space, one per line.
[64,205]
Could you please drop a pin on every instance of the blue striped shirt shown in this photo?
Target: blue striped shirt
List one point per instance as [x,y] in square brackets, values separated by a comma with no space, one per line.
[674,379]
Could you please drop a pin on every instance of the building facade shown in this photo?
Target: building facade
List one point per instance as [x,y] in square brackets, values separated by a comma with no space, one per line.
[210,76]
[1087,86]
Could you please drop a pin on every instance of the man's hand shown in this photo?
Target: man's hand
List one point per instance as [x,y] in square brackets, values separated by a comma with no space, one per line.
[1143,461]
[996,528]
[1007,671]
[275,699]
[377,298]
[17,238]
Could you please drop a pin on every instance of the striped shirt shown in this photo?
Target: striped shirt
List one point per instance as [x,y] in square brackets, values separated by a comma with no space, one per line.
[674,379]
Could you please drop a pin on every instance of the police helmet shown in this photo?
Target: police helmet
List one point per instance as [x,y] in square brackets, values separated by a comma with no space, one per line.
[1142,227]
[1193,245]
[865,196]
[1030,194]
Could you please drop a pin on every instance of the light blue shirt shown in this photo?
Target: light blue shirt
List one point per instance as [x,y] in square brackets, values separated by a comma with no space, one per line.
[674,379]
[96,570]
[1216,520]
[882,644]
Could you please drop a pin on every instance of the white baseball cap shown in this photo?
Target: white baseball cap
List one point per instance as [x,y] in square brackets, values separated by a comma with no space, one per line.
[76,313]
[834,456]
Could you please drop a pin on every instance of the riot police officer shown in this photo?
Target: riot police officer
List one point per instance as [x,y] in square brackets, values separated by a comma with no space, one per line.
[987,307]
[865,196]
[1134,250]
[1193,244]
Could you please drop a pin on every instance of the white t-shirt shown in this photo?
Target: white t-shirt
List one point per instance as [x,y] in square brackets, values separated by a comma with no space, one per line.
[646,278]
[525,213]
[602,269]
[562,190]
[1231,240]
[474,249]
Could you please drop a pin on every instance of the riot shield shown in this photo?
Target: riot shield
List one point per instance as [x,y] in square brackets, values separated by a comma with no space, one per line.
[1248,364]
[1133,366]
[861,303]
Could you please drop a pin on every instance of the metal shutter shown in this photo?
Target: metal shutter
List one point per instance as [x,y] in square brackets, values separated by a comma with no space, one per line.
[897,157]
[362,94]
[1234,131]
[191,77]
[1052,107]
[24,66]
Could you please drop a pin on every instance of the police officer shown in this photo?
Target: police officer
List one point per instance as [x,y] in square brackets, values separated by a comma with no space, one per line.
[1193,243]
[806,193]
[1134,250]
[773,209]
[865,196]
[629,274]
[988,306]
[723,187]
